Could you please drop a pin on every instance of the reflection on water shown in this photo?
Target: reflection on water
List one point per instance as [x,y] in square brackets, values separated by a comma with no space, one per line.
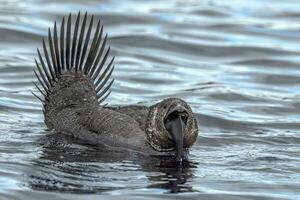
[97,165]
[236,63]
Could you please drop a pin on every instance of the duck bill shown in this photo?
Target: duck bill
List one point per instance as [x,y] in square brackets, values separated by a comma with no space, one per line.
[178,127]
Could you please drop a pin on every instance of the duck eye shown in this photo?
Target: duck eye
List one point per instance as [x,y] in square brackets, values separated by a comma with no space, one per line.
[165,107]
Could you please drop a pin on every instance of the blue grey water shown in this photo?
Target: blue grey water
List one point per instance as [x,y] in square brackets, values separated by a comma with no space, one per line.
[236,62]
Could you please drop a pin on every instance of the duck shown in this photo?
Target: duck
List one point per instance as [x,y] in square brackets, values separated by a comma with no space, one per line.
[74,78]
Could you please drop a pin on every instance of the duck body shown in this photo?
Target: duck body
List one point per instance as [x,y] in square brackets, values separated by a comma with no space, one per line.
[75,79]
[72,109]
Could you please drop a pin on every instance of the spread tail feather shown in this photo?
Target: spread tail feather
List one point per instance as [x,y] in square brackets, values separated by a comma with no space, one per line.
[78,49]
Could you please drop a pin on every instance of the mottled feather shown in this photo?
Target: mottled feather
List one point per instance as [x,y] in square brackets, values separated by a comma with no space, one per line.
[77,49]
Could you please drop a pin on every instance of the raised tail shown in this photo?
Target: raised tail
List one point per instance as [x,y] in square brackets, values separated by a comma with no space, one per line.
[77,49]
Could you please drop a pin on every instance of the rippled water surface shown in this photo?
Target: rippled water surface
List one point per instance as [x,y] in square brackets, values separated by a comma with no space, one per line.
[236,62]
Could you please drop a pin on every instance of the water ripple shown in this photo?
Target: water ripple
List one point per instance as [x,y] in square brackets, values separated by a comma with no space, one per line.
[235,62]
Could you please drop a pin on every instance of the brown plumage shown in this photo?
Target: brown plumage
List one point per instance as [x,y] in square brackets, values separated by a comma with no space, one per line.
[74,75]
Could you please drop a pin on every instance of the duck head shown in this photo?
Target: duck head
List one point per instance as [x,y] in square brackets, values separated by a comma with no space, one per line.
[171,127]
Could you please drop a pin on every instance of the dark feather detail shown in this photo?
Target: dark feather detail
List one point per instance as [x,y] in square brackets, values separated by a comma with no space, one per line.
[53,59]
[51,68]
[56,51]
[62,44]
[49,80]
[103,98]
[89,59]
[98,58]
[68,42]
[80,42]
[75,48]
[95,74]
[42,75]
[41,82]
[109,69]
[86,42]
[102,93]
[93,55]
[37,96]
[39,89]
[74,44]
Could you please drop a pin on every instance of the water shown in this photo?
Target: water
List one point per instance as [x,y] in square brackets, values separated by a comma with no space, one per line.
[236,62]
